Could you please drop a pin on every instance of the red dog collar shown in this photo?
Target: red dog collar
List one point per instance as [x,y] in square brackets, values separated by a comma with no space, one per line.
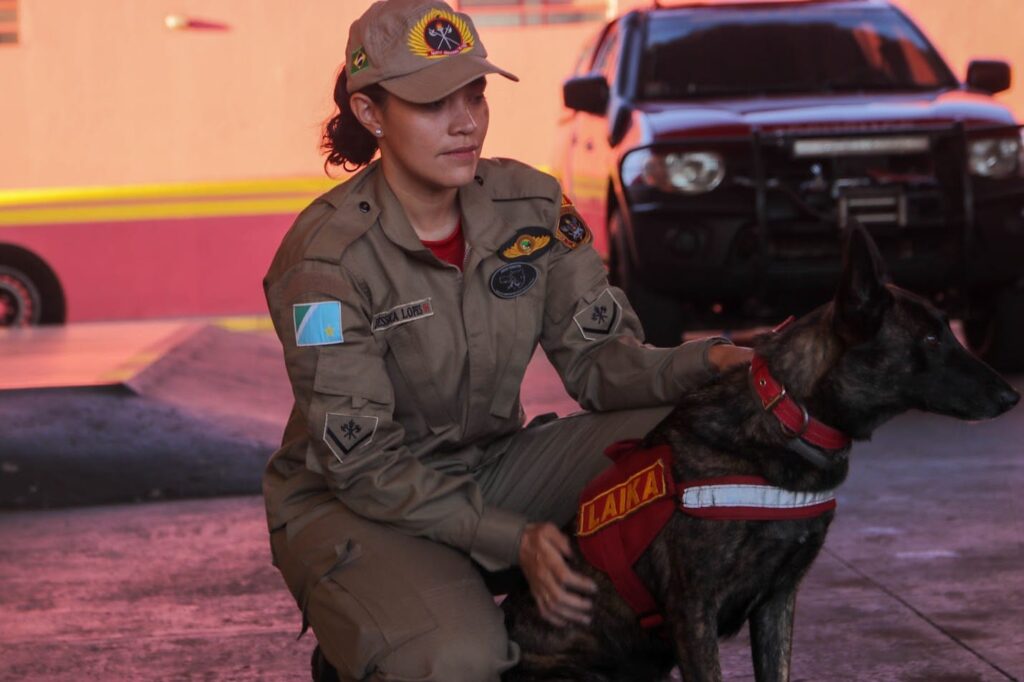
[792,415]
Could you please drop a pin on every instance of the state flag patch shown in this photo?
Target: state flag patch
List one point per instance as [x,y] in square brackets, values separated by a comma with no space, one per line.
[318,324]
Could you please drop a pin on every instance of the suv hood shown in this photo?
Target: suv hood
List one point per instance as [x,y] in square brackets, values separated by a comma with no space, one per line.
[668,120]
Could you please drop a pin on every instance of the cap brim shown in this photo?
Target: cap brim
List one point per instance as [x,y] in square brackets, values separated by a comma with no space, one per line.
[441,79]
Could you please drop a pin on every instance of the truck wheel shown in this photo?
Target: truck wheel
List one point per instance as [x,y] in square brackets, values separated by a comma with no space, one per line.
[661,316]
[30,293]
[996,334]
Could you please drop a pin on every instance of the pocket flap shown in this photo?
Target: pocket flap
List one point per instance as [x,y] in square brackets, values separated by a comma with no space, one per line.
[336,377]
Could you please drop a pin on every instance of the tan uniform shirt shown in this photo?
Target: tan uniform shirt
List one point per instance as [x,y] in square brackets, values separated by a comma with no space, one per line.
[394,410]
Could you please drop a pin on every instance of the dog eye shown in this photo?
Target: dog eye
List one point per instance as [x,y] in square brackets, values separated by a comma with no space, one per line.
[931,340]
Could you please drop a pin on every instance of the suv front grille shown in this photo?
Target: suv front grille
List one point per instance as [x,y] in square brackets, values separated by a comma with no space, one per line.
[907,188]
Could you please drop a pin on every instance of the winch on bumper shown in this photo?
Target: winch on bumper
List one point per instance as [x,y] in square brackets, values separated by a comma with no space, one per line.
[764,240]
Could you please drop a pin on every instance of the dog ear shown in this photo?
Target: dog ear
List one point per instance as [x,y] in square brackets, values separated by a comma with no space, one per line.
[862,298]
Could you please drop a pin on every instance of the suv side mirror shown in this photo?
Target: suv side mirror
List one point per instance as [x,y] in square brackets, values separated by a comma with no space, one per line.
[586,93]
[989,76]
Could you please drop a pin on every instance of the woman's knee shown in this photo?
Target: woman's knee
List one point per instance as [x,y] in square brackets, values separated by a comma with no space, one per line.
[472,655]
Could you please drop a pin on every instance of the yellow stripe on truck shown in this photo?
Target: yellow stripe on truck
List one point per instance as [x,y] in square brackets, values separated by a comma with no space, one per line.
[127,212]
[175,190]
[175,200]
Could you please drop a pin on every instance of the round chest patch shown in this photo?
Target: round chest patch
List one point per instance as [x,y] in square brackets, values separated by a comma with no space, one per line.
[512,280]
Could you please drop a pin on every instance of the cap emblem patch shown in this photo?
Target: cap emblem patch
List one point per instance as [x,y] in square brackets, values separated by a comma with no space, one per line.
[440,34]
[359,61]
[528,244]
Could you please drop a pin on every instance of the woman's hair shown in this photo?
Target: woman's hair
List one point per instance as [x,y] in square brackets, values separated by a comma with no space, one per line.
[347,143]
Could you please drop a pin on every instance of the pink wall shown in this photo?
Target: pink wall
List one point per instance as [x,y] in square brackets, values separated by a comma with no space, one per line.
[102,93]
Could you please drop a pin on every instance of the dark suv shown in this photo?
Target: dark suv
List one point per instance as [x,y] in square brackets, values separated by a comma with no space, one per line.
[719,150]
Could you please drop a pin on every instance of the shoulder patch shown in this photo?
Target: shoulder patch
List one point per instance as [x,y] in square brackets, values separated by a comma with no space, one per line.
[600,318]
[317,324]
[572,231]
[528,244]
[343,433]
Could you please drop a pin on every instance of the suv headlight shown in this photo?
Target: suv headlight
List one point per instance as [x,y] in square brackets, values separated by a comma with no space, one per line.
[994,157]
[696,172]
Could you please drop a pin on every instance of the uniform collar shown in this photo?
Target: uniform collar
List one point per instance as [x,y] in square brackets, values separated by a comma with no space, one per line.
[393,221]
[367,198]
[485,228]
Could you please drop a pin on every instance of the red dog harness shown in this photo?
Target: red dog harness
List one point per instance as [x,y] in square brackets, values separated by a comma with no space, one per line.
[626,506]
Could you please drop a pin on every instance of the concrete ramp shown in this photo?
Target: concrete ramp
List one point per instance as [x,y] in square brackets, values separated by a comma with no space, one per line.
[103,413]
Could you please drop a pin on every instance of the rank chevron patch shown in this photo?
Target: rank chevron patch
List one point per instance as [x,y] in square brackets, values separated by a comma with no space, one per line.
[600,318]
[343,433]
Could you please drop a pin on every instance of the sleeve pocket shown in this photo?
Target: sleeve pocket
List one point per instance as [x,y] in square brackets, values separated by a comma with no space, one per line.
[335,377]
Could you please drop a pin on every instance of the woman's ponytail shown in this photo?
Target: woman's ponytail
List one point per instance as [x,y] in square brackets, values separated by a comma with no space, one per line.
[347,143]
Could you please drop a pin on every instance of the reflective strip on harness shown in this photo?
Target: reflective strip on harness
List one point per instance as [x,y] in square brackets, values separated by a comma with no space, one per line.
[751,499]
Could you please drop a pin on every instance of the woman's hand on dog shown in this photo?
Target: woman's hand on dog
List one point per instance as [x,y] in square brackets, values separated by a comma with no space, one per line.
[557,589]
[725,355]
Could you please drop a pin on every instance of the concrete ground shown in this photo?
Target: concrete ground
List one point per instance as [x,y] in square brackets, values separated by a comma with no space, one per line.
[921,577]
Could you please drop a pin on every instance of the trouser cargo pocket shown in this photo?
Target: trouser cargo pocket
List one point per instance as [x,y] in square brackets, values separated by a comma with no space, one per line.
[357,606]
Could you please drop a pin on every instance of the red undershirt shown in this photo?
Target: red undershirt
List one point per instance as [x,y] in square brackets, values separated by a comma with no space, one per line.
[451,249]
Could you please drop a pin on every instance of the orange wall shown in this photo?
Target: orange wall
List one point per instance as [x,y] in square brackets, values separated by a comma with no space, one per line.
[101,92]
[975,29]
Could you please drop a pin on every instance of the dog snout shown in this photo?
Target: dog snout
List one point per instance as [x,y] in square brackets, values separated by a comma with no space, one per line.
[1007,398]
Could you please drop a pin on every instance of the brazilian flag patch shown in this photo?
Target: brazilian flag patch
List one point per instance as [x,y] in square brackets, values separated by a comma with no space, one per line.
[359,61]
[317,324]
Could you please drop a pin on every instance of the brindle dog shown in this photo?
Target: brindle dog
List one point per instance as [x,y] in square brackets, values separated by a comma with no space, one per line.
[871,353]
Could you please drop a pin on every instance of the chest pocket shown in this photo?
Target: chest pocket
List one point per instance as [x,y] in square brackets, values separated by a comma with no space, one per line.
[525,317]
[410,355]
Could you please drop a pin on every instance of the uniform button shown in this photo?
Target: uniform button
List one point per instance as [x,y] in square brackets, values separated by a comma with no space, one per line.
[479,180]
[364,207]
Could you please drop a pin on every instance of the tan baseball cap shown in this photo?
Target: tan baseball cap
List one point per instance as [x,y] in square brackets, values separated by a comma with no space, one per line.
[419,50]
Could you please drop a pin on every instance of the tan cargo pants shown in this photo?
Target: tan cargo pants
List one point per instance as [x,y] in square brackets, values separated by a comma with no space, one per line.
[386,606]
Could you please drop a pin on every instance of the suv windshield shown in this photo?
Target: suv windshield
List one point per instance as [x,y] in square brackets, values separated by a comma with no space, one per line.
[704,52]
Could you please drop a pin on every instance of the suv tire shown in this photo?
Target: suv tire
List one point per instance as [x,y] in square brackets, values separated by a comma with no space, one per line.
[661,316]
[996,332]
[29,291]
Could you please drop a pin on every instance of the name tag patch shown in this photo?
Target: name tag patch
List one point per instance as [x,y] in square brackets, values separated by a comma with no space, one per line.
[600,318]
[639,490]
[512,280]
[343,433]
[400,314]
[317,324]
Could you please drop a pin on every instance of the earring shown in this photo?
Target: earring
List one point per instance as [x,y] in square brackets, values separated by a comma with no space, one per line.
[378,132]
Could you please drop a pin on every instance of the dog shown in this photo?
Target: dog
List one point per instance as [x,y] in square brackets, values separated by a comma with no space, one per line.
[871,353]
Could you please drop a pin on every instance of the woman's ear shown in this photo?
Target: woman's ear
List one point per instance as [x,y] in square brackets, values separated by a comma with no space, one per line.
[366,112]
